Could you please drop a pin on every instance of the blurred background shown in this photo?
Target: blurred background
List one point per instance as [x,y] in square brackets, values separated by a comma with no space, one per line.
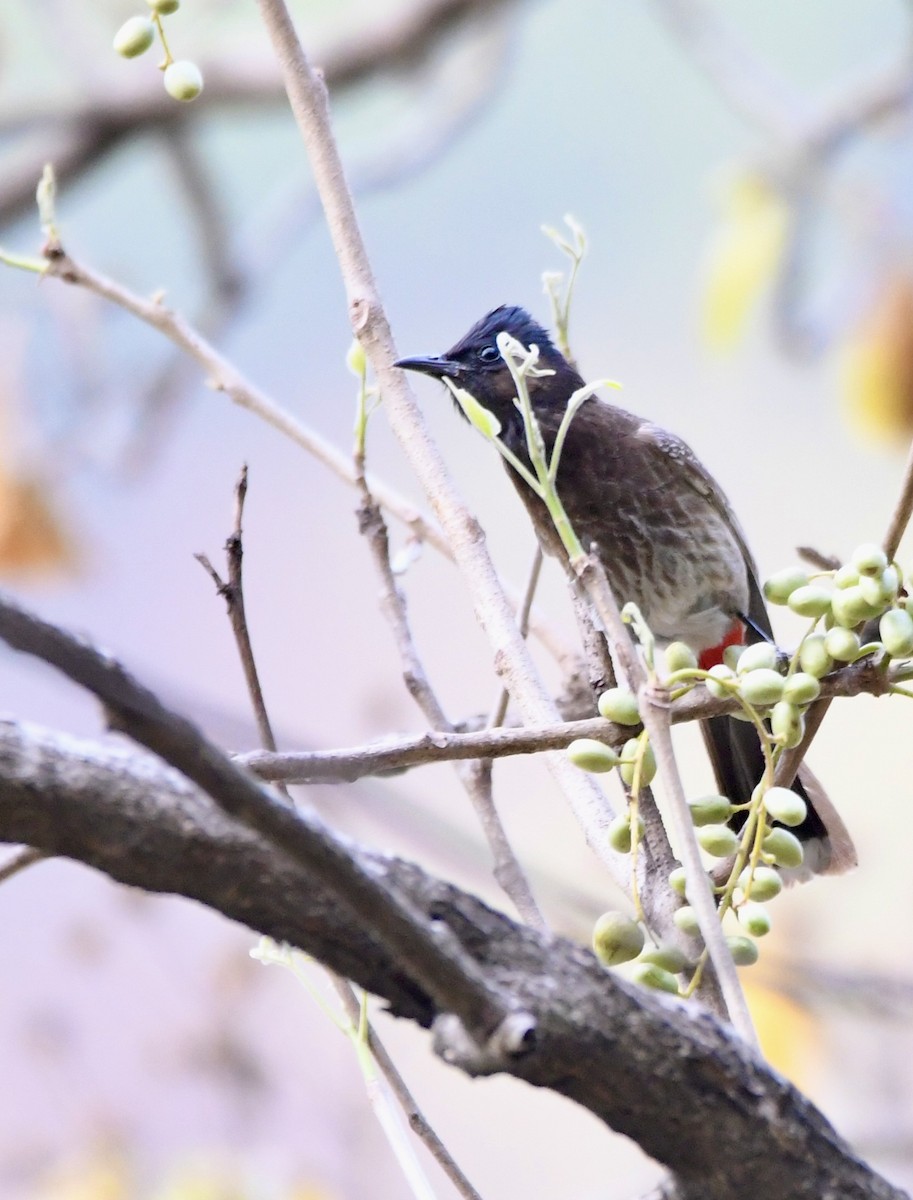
[743,172]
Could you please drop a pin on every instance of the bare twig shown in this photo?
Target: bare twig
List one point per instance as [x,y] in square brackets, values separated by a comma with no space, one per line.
[900,518]
[19,862]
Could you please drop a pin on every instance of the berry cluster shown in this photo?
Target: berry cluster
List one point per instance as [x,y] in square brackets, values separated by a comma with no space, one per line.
[183,79]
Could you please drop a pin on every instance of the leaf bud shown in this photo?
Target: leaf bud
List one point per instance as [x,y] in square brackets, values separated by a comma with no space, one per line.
[590,755]
[896,632]
[756,656]
[810,601]
[680,657]
[801,688]
[814,658]
[786,724]
[134,37]
[710,810]
[183,80]
[764,884]
[754,918]
[761,687]
[783,847]
[628,765]
[869,559]
[842,644]
[616,939]
[718,840]
[785,806]
[619,705]
[780,586]
[743,950]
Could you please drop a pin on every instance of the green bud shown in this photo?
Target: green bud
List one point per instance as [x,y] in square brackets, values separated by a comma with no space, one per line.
[841,644]
[786,724]
[356,359]
[183,80]
[629,754]
[616,939]
[813,656]
[765,883]
[714,683]
[869,559]
[801,688]
[134,37]
[761,687]
[850,607]
[591,755]
[890,582]
[785,806]
[669,957]
[896,631]
[164,7]
[783,847]
[718,840]
[686,920]
[780,586]
[652,976]
[743,950]
[678,880]
[846,576]
[710,810]
[754,918]
[811,601]
[680,657]
[761,654]
[872,591]
[619,705]
[619,832]
[732,656]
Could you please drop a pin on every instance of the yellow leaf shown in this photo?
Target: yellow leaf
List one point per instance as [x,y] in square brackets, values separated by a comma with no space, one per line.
[742,259]
[876,365]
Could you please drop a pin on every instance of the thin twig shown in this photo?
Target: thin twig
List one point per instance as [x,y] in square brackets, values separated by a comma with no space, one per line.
[418,1123]
[900,518]
[19,861]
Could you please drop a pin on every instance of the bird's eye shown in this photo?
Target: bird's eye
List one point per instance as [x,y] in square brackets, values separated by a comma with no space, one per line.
[489,354]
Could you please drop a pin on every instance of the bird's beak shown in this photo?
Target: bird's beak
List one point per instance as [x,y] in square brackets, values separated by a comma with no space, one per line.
[439,368]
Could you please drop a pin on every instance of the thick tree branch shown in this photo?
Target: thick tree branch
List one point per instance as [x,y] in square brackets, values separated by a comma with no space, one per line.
[677,1082]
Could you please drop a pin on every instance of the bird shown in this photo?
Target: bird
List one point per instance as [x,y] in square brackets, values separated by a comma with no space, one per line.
[662,527]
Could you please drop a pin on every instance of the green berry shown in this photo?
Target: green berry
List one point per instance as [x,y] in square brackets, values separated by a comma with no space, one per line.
[761,687]
[356,359]
[785,806]
[846,576]
[715,685]
[718,840]
[783,847]
[619,833]
[811,600]
[732,656]
[801,688]
[779,587]
[850,607]
[628,765]
[869,559]
[686,920]
[896,632]
[669,957]
[183,80]
[872,591]
[710,810]
[761,654]
[164,7]
[616,939]
[134,37]
[765,883]
[743,950]
[678,880]
[680,657]
[890,582]
[619,705]
[754,918]
[650,975]
[842,644]
[590,755]
[813,656]
[786,724]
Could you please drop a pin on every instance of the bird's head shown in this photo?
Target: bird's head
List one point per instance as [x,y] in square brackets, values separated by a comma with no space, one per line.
[476,364]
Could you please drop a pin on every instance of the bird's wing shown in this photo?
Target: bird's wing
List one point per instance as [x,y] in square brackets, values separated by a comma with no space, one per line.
[697,475]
